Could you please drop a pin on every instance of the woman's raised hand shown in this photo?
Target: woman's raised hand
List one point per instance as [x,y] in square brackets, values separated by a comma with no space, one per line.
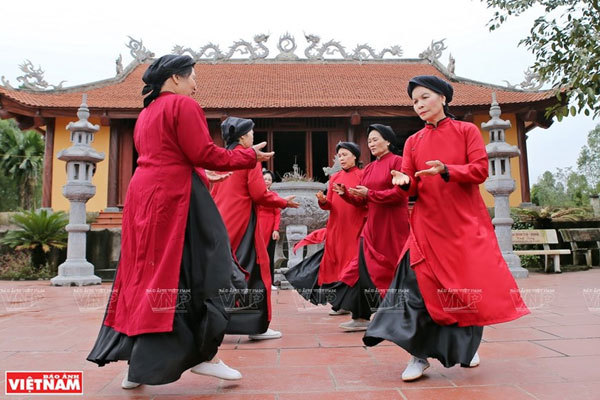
[437,167]
[261,155]
[291,203]
[399,178]
[321,197]
[359,191]
[214,177]
[339,188]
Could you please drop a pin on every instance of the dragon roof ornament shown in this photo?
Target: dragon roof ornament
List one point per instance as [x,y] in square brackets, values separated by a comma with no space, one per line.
[287,47]
[531,82]
[138,51]
[33,79]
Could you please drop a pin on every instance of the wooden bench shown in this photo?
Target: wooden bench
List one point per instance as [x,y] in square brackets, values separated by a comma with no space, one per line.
[544,237]
[582,240]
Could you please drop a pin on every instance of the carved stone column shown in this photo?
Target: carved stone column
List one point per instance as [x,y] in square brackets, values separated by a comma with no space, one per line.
[501,184]
[81,161]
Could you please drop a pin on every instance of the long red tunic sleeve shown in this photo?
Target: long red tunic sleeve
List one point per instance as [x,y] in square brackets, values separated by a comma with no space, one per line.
[172,140]
[454,251]
[343,227]
[386,228]
[236,197]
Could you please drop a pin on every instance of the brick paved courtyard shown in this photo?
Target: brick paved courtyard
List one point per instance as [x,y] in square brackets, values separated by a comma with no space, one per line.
[554,353]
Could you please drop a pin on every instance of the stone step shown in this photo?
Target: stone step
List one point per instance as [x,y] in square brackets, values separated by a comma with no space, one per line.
[108,219]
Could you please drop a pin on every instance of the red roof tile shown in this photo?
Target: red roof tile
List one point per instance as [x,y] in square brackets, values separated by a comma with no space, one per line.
[280,85]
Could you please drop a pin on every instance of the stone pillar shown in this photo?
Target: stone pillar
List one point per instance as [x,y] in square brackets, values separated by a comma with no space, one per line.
[81,161]
[501,184]
[294,234]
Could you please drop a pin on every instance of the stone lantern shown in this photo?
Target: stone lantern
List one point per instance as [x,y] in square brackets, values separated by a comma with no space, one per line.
[81,161]
[501,184]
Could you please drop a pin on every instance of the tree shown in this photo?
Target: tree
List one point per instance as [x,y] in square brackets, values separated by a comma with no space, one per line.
[9,198]
[588,162]
[21,159]
[548,192]
[564,42]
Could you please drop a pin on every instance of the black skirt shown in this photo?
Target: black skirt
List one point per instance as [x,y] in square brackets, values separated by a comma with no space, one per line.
[199,321]
[402,318]
[361,300]
[247,304]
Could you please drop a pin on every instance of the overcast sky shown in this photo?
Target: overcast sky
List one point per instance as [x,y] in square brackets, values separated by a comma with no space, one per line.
[79,41]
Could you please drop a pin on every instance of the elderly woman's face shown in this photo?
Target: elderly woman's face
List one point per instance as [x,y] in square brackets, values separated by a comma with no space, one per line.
[268,180]
[377,144]
[347,159]
[428,104]
[247,140]
[185,85]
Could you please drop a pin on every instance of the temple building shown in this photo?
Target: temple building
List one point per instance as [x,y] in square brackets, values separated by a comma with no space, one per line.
[301,106]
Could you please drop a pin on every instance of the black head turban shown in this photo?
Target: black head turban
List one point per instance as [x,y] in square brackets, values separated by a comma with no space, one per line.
[433,83]
[161,70]
[350,146]
[266,171]
[234,128]
[388,134]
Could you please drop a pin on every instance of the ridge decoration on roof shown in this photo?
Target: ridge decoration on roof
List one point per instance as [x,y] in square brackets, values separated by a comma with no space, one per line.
[33,79]
[287,47]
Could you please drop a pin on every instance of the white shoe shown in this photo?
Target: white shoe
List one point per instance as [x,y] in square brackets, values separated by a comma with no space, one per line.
[273,287]
[355,325]
[339,312]
[414,369]
[268,334]
[475,361]
[218,370]
[127,384]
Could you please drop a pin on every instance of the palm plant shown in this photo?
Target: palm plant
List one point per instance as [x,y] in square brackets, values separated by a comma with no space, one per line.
[39,232]
[21,159]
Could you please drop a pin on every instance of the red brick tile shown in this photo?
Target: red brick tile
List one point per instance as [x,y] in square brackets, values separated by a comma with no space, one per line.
[389,354]
[218,396]
[491,334]
[511,350]
[341,339]
[281,380]
[382,376]
[564,390]
[325,356]
[585,318]
[287,341]
[355,395]
[277,85]
[249,358]
[522,355]
[573,347]
[461,393]
[501,372]
[573,331]
[571,369]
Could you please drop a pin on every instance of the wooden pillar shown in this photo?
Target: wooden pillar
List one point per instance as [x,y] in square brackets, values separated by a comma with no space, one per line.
[112,200]
[48,159]
[125,161]
[523,162]
[308,154]
[270,147]
[354,123]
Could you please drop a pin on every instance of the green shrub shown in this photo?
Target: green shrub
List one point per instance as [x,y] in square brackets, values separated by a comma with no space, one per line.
[39,233]
[18,266]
